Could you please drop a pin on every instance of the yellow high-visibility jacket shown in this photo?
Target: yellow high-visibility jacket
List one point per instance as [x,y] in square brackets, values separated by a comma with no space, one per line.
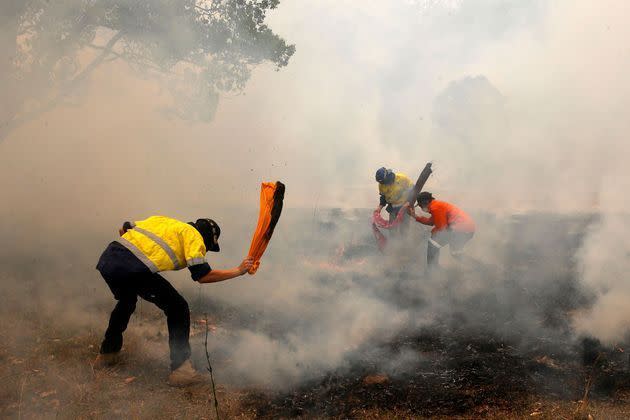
[396,192]
[162,243]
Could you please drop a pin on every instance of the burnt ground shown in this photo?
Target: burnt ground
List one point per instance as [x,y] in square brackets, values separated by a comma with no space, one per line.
[490,365]
[459,367]
[443,371]
[459,375]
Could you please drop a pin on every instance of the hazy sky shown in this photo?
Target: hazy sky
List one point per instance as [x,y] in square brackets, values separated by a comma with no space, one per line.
[358,94]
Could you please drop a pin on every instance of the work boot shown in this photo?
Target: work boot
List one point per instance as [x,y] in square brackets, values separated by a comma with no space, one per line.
[185,375]
[106,360]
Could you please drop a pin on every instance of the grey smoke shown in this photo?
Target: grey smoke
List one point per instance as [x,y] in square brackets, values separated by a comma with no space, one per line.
[362,91]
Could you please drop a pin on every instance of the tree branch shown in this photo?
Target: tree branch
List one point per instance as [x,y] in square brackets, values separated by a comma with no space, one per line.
[65,90]
[131,60]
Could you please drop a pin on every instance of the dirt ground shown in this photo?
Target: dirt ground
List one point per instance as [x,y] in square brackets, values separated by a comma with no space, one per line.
[471,360]
[54,378]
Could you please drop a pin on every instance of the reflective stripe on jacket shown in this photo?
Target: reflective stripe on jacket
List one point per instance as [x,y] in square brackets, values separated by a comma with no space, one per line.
[396,192]
[445,215]
[162,243]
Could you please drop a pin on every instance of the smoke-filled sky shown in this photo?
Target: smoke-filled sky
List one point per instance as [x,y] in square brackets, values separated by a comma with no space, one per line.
[360,93]
[521,106]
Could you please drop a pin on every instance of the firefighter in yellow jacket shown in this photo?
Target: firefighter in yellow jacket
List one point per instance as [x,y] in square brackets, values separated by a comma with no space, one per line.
[393,188]
[130,266]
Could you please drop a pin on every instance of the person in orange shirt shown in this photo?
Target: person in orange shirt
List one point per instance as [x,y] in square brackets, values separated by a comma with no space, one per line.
[451,226]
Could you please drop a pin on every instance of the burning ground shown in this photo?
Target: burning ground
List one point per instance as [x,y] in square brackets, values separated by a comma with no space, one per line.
[337,331]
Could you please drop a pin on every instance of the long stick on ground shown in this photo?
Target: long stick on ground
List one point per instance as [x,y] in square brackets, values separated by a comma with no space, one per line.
[587,388]
[20,401]
[214,390]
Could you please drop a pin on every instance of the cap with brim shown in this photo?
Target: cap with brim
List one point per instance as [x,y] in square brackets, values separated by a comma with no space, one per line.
[210,231]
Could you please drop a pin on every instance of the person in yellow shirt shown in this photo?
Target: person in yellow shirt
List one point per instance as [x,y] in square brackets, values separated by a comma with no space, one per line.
[393,188]
[130,267]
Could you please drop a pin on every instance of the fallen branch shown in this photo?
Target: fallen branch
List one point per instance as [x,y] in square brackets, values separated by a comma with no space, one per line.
[20,400]
[214,390]
[587,388]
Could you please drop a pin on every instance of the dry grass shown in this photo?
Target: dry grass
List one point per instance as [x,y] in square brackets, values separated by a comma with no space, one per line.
[46,372]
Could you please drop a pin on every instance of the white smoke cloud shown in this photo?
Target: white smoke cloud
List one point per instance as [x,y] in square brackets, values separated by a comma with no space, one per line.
[358,94]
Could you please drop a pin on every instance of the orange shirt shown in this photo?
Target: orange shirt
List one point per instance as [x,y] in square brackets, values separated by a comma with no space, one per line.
[445,215]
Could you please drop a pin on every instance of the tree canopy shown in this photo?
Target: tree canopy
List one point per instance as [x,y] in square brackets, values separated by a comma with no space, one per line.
[205,48]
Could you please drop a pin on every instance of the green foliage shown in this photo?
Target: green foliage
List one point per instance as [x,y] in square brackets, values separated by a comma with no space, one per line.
[203,48]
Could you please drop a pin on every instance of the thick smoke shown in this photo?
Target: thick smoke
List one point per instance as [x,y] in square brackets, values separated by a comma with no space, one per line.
[527,117]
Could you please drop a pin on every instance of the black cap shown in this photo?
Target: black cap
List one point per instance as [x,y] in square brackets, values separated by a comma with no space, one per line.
[210,231]
[424,197]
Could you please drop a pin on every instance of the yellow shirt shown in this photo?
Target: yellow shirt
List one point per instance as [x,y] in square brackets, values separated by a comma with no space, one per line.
[162,243]
[396,192]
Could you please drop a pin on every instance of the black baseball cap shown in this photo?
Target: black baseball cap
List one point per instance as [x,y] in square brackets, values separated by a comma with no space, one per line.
[210,231]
